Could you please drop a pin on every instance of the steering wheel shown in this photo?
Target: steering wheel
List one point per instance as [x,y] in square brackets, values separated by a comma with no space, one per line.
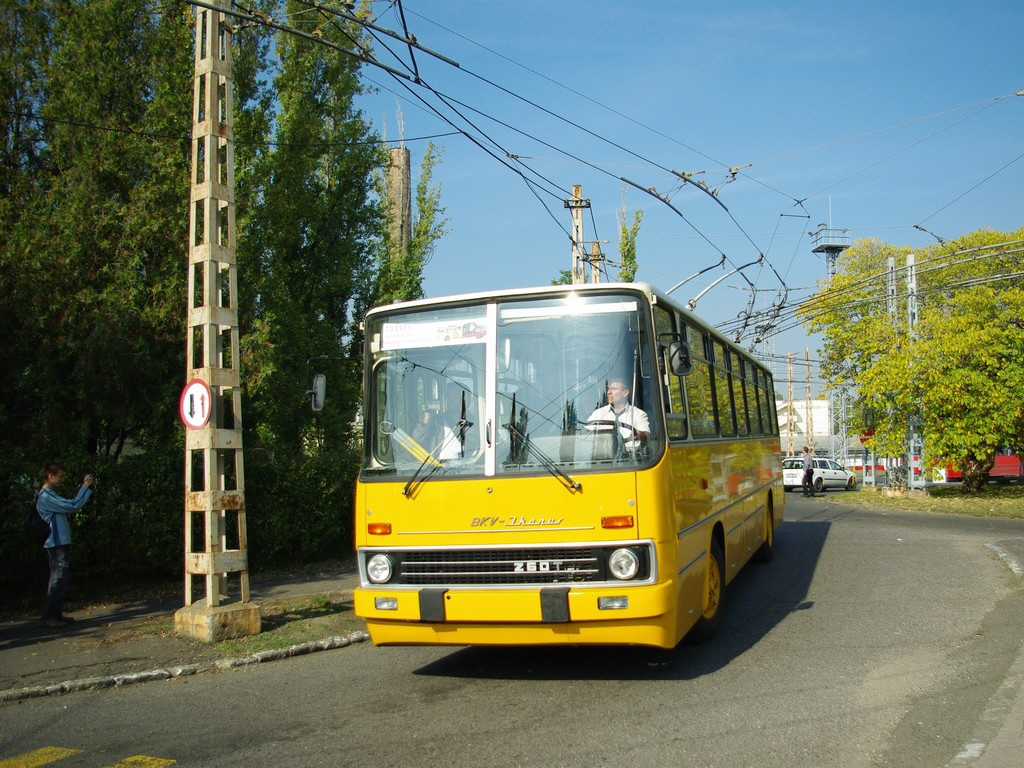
[610,423]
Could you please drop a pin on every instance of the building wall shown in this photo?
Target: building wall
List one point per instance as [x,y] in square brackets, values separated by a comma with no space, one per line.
[815,416]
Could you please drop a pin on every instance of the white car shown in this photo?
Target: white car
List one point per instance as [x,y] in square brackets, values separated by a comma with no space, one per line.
[827,474]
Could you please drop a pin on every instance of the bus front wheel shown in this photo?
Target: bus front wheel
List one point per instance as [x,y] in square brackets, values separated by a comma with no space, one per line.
[714,589]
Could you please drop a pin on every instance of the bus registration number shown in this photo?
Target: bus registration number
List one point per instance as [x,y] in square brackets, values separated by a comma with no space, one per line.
[536,566]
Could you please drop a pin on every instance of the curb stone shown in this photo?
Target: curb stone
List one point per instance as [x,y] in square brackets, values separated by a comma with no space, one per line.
[187,670]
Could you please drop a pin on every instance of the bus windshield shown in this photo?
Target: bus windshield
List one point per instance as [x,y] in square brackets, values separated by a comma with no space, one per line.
[560,383]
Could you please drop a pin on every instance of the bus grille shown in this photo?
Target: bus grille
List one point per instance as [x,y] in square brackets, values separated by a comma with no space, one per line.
[500,566]
[527,566]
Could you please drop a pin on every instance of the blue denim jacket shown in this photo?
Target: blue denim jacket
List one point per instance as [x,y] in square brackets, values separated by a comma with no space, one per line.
[54,509]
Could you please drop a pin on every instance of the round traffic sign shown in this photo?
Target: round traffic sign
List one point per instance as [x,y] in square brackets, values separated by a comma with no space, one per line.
[194,406]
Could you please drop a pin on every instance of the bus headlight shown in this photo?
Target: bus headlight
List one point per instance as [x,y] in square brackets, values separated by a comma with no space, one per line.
[379,569]
[624,564]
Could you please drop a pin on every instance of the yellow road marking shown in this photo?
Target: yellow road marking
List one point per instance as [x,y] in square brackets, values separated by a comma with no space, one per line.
[47,755]
[42,756]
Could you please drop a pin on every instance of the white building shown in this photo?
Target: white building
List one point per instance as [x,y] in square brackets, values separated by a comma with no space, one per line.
[811,425]
[807,423]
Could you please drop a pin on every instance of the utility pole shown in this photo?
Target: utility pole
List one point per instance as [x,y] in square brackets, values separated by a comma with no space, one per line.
[890,290]
[915,445]
[596,260]
[399,194]
[576,204]
[810,402]
[791,417]
[214,476]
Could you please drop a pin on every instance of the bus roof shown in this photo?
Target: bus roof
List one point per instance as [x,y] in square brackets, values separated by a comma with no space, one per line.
[507,293]
[653,294]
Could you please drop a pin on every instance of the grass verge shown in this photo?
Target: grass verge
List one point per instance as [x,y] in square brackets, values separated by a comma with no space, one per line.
[995,501]
[293,622]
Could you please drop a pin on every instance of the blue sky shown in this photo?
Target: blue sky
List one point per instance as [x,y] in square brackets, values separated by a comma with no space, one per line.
[876,116]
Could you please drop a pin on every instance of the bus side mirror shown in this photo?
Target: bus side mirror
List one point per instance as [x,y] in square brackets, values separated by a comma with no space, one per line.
[317,393]
[679,358]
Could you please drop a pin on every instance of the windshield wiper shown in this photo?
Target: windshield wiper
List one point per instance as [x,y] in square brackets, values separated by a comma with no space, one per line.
[414,449]
[432,456]
[521,445]
[431,459]
[463,425]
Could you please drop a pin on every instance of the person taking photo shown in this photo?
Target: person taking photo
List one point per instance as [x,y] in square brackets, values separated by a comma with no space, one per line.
[56,511]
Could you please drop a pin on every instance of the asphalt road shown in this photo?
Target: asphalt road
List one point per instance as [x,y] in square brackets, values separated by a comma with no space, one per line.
[870,640]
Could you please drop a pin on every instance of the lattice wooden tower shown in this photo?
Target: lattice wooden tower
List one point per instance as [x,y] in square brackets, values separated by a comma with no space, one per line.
[215,531]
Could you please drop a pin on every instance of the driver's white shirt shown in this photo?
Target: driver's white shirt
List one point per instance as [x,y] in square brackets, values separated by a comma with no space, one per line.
[630,415]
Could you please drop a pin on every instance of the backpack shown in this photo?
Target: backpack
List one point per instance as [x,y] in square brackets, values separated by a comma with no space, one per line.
[37,529]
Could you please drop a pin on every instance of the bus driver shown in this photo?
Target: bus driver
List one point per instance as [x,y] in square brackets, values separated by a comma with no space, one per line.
[629,424]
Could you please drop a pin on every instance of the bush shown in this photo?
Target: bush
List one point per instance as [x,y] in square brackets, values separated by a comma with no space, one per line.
[298,510]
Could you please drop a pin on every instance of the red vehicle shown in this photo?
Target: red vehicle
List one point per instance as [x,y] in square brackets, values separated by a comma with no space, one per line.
[1006,469]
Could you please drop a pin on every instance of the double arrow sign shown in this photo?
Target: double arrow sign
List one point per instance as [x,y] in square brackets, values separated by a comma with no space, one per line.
[194,406]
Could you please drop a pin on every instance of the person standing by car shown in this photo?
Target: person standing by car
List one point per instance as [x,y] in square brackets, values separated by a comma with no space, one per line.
[808,466]
[55,510]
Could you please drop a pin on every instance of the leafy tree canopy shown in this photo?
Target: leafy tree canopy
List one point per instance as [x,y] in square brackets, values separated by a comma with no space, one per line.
[95,181]
[958,375]
[628,234]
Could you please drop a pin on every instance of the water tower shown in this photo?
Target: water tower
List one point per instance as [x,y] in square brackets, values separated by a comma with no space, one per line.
[830,242]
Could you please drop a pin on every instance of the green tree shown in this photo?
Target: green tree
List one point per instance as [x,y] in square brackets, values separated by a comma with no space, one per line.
[104,278]
[24,54]
[627,242]
[24,42]
[564,277]
[958,376]
[305,239]
[91,255]
[95,173]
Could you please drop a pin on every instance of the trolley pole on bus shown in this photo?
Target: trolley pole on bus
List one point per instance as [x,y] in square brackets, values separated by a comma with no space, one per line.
[211,404]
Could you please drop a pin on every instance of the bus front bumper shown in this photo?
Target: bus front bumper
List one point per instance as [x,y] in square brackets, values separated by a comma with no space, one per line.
[642,615]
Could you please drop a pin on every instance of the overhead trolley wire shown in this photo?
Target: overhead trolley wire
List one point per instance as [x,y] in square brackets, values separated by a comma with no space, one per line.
[569,89]
[532,185]
[828,303]
[186,136]
[517,164]
[901,151]
[685,178]
[958,197]
[405,28]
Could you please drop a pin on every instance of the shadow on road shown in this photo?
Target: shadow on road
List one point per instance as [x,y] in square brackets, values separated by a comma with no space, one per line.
[760,597]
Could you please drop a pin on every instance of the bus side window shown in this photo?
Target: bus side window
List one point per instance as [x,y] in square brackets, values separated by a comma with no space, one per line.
[739,401]
[753,398]
[723,391]
[699,393]
[675,417]
[771,415]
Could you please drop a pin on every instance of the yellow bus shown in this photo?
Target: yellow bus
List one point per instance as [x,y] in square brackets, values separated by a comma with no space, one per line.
[586,464]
